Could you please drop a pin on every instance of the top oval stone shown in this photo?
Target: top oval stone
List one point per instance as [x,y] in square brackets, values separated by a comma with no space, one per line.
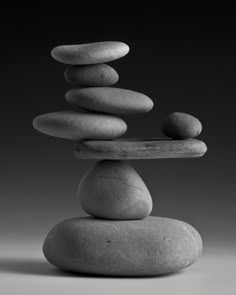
[90,53]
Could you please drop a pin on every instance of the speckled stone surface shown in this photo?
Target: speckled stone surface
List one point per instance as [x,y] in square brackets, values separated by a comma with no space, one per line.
[152,246]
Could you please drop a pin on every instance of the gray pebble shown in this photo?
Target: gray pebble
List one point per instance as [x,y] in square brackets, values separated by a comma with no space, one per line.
[90,53]
[150,246]
[78,126]
[92,75]
[181,126]
[114,190]
[110,100]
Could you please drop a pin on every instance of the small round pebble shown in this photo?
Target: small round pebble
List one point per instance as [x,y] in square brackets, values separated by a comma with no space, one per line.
[78,126]
[114,190]
[90,53]
[110,100]
[91,75]
[181,126]
[146,247]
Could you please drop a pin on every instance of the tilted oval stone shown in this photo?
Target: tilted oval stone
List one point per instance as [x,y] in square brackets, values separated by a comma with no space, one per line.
[140,148]
[110,100]
[90,53]
[91,75]
[181,126]
[114,190]
[78,126]
[150,246]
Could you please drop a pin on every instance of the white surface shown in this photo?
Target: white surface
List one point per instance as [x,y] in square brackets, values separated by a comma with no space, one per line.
[24,270]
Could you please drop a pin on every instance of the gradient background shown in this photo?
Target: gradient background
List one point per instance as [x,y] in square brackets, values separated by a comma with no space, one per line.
[184,61]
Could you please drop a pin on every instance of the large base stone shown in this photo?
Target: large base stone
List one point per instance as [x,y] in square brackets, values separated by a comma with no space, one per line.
[152,246]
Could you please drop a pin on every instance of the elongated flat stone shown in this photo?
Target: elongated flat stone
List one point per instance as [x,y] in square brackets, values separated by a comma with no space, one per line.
[91,75]
[110,100]
[122,149]
[77,126]
[151,246]
[90,53]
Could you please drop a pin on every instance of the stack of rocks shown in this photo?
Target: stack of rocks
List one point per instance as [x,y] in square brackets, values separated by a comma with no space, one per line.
[119,238]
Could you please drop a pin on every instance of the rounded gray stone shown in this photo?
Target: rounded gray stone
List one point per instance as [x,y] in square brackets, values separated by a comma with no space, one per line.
[114,190]
[140,148]
[79,126]
[90,53]
[91,75]
[147,247]
[181,126]
[110,100]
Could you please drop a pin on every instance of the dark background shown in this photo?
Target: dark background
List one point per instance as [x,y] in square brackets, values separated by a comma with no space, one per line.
[184,61]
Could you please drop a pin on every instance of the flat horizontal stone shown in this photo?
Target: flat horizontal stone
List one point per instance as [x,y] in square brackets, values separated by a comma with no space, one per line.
[114,190]
[122,149]
[91,75]
[147,247]
[90,53]
[79,126]
[110,100]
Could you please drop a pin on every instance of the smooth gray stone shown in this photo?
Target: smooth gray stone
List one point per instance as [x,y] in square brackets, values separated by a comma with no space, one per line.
[114,190]
[110,100]
[121,149]
[181,126]
[146,247]
[79,126]
[91,75]
[90,53]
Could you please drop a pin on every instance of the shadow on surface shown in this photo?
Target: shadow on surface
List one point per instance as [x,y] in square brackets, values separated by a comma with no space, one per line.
[40,267]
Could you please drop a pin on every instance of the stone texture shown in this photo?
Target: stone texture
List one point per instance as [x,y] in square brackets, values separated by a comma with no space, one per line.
[79,126]
[151,246]
[181,126]
[114,190]
[91,53]
[91,75]
[121,149]
[110,100]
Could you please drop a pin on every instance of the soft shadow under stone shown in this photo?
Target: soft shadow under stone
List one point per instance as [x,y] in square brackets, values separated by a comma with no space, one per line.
[40,267]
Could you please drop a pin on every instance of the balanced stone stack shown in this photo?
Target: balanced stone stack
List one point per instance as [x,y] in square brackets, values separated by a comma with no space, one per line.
[119,238]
